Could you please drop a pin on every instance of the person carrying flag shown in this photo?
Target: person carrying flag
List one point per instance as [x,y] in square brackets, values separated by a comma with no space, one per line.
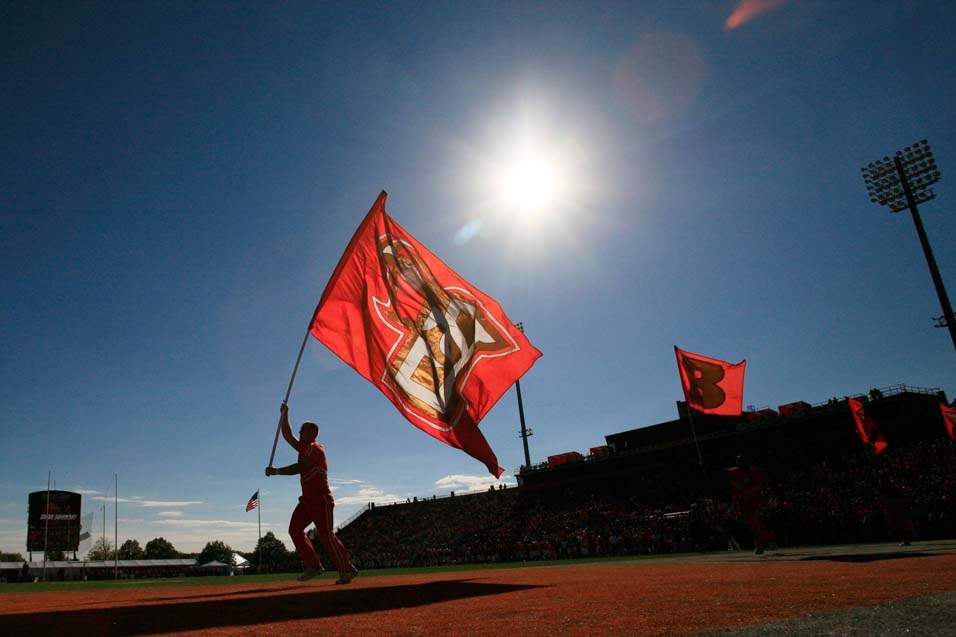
[896,508]
[315,503]
[746,484]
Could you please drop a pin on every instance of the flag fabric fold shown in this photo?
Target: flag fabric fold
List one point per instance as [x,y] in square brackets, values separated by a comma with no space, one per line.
[949,420]
[866,427]
[711,386]
[253,502]
[442,351]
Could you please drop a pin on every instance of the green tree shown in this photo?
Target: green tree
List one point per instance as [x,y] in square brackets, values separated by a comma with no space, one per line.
[11,557]
[55,555]
[160,549]
[217,551]
[102,550]
[131,550]
[271,555]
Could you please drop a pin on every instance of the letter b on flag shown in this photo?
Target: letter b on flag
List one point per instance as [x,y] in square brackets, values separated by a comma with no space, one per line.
[711,385]
[703,378]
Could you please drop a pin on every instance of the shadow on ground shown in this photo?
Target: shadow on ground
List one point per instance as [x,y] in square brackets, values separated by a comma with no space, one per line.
[247,591]
[865,557]
[311,603]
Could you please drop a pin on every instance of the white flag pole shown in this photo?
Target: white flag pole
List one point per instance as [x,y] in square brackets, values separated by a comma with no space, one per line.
[259,513]
[288,391]
[115,526]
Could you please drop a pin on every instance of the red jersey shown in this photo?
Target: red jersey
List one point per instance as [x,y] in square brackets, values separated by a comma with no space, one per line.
[746,485]
[315,477]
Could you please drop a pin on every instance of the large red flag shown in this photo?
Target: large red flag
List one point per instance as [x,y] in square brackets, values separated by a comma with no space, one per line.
[439,348]
[870,434]
[711,386]
[949,420]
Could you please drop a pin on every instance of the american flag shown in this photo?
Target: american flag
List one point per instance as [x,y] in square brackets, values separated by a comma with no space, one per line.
[253,502]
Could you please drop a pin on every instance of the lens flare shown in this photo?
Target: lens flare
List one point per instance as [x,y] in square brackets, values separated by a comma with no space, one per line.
[747,10]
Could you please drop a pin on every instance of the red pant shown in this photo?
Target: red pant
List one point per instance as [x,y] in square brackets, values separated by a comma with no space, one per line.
[317,510]
[762,535]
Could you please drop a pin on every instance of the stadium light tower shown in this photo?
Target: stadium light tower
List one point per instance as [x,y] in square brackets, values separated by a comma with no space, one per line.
[525,432]
[904,181]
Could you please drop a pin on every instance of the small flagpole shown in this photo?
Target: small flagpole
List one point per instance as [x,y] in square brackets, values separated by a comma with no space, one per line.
[690,414]
[115,526]
[693,432]
[259,546]
[288,391]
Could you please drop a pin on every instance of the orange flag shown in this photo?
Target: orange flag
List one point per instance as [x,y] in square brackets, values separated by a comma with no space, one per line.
[711,386]
[870,434]
[441,350]
[949,420]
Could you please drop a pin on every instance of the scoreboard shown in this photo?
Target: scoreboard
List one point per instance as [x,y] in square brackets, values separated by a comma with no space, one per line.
[55,514]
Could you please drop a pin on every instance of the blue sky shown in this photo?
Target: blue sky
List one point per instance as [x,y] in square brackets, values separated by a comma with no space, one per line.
[178,180]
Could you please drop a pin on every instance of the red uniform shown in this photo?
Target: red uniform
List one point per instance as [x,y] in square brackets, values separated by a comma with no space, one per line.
[315,506]
[746,485]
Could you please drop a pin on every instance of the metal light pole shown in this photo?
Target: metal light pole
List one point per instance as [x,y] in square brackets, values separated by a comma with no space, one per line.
[904,181]
[525,432]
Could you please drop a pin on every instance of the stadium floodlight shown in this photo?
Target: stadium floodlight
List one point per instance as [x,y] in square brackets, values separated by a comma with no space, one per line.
[903,181]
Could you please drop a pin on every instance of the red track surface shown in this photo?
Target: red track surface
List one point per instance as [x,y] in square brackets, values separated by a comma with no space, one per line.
[651,598]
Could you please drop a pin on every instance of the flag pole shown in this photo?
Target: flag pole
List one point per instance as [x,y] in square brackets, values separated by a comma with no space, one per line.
[259,546]
[693,433]
[115,526]
[288,391]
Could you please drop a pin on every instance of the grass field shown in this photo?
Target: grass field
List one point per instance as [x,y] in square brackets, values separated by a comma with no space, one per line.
[253,578]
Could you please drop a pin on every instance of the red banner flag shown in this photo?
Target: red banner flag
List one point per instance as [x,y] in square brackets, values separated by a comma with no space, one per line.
[949,420]
[441,350]
[711,386]
[870,434]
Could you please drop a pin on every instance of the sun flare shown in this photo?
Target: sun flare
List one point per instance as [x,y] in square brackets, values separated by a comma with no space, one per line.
[530,180]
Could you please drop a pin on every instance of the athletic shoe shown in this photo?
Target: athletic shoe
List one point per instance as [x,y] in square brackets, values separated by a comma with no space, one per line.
[348,577]
[309,573]
[758,551]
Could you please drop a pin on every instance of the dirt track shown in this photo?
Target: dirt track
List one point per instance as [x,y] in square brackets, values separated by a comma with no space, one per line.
[679,597]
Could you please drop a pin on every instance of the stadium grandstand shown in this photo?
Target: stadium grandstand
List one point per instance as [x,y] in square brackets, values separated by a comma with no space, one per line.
[648,490]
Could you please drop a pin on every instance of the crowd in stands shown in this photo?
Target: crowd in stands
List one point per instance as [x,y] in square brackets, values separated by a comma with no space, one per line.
[837,501]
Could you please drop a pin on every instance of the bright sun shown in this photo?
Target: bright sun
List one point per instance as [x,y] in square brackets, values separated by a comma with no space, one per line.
[527,174]
[529,181]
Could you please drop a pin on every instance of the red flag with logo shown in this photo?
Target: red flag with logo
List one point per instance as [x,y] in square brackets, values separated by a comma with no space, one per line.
[870,434]
[442,351]
[949,420]
[711,386]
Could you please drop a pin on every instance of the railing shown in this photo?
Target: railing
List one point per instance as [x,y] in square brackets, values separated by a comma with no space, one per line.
[833,404]
[410,502]
[353,517]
